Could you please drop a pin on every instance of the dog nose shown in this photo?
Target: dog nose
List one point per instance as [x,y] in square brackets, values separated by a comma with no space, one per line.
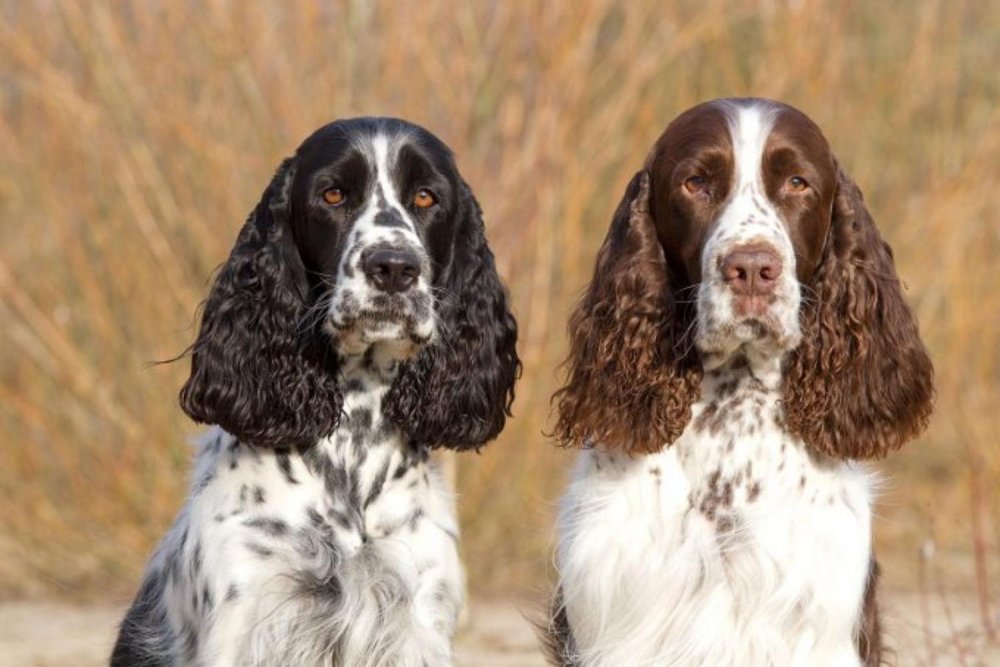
[751,270]
[392,270]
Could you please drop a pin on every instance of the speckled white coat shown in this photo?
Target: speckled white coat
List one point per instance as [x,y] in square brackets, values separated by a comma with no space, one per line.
[346,551]
[735,546]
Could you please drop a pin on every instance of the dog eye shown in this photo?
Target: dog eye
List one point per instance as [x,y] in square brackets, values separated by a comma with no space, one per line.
[334,196]
[424,198]
[696,185]
[797,184]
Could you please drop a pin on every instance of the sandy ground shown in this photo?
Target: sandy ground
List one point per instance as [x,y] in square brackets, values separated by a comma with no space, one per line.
[49,634]
[53,634]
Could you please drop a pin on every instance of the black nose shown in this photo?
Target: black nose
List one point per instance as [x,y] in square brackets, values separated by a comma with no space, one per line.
[392,270]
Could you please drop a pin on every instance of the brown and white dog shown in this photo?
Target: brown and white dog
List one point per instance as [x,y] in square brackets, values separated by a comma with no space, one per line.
[743,343]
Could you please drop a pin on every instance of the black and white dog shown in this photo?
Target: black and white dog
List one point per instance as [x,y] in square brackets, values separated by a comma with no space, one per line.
[358,323]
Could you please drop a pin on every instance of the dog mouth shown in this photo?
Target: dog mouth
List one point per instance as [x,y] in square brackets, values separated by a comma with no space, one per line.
[754,328]
[405,319]
[755,308]
[744,330]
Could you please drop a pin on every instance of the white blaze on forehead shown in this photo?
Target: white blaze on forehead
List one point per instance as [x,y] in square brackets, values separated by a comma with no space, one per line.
[748,213]
[381,152]
[385,153]
[749,127]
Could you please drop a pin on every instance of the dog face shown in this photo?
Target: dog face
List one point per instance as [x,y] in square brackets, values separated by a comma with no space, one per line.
[367,240]
[743,194]
[374,208]
[742,238]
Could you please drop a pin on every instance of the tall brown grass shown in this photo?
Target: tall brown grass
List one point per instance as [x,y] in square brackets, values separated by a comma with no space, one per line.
[136,136]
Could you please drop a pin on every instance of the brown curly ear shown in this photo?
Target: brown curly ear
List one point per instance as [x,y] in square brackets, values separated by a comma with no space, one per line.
[861,382]
[630,384]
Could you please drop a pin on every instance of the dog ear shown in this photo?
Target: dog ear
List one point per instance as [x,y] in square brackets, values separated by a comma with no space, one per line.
[861,382]
[630,384]
[256,369]
[458,392]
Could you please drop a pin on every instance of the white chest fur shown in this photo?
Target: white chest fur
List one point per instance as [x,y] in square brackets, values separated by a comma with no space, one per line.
[345,552]
[734,546]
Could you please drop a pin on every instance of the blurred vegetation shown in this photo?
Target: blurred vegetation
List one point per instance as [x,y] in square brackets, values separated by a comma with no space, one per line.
[136,136]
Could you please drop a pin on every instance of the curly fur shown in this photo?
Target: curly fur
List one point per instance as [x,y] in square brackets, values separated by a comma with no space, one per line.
[256,369]
[474,364]
[632,376]
[861,382]
[266,375]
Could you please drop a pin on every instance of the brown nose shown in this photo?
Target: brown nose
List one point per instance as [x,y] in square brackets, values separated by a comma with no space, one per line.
[751,270]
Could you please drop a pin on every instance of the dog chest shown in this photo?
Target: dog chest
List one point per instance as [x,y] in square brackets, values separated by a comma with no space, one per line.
[726,551]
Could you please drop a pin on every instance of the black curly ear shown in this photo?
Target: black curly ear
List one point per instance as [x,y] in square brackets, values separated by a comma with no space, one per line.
[457,393]
[256,369]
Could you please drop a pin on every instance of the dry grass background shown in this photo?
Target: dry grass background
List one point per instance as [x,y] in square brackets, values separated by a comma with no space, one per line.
[135,137]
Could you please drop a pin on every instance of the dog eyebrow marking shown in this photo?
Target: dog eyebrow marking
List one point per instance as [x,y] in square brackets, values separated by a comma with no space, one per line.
[390,212]
[749,127]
